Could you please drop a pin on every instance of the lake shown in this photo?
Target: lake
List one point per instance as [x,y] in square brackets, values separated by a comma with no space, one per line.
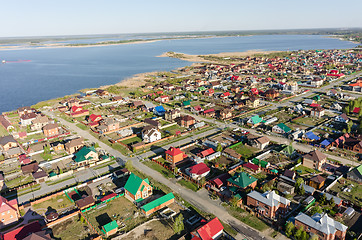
[55,72]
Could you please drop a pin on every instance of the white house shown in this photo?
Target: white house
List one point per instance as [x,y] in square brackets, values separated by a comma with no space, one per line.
[336,106]
[198,171]
[26,119]
[342,118]
[150,134]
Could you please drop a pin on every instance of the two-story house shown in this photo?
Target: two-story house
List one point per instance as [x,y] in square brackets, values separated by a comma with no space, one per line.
[137,188]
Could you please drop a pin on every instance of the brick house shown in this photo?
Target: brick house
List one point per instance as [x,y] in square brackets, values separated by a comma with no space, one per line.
[271,93]
[322,225]
[39,122]
[314,160]
[73,145]
[174,155]
[317,112]
[317,182]
[9,211]
[187,121]
[268,204]
[7,142]
[242,180]
[211,230]
[51,129]
[137,188]
[172,114]
[225,113]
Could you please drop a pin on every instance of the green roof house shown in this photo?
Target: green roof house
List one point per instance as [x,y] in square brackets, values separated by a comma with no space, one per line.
[316,97]
[110,228]
[288,150]
[281,128]
[254,121]
[86,155]
[242,180]
[137,189]
[186,103]
[157,204]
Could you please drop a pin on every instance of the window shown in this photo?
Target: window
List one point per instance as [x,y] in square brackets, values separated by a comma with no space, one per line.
[3,213]
[11,216]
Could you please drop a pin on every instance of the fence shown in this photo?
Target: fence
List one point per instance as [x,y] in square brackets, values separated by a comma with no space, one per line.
[105,201]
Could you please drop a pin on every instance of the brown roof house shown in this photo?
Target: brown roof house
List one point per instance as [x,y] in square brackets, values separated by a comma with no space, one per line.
[26,119]
[84,202]
[225,113]
[7,142]
[271,93]
[40,176]
[317,112]
[187,121]
[260,142]
[73,145]
[39,122]
[5,123]
[51,130]
[314,160]
[25,110]
[30,168]
[108,125]
[232,154]
[150,134]
[172,114]
[317,181]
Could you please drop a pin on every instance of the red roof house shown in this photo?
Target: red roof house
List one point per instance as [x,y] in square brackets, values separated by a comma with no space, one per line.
[251,166]
[174,155]
[254,91]
[207,152]
[95,118]
[209,231]
[200,169]
[109,196]
[356,110]
[23,231]
[314,105]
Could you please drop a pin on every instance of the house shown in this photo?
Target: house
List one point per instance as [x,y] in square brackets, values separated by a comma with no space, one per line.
[9,211]
[355,174]
[260,142]
[152,122]
[108,125]
[30,168]
[85,156]
[215,84]
[93,118]
[39,122]
[40,176]
[174,155]
[51,130]
[322,225]
[172,114]
[150,134]
[27,118]
[205,153]
[163,99]
[77,111]
[289,174]
[211,230]
[317,112]
[73,145]
[225,113]
[253,101]
[337,201]
[271,93]
[158,204]
[136,104]
[342,118]
[314,160]
[209,112]
[159,110]
[310,137]
[317,182]
[198,171]
[137,189]
[85,202]
[110,228]
[209,92]
[332,93]
[268,204]
[225,95]
[187,121]
[281,128]
[24,232]
[254,121]
[290,87]
[101,92]
[242,180]
[285,188]
[232,154]
[197,109]
[24,110]
[7,142]
[57,146]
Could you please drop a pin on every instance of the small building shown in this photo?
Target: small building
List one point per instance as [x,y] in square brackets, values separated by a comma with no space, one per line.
[110,228]
[281,128]
[232,154]
[260,142]
[7,142]
[51,130]
[254,121]
[174,155]
[242,180]
[73,145]
[198,171]
[158,204]
[268,204]
[285,188]
[172,114]
[84,202]
[159,111]
[314,160]
[355,174]
[137,189]
[317,182]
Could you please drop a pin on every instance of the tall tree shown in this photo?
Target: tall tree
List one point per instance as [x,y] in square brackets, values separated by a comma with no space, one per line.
[289,229]
[178,225]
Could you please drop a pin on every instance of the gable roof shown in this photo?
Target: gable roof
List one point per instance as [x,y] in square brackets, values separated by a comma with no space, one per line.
[133,183]
[80,156]
[315,155]
[318,179]
[269,198]
[6,139]
[159,201]
[284,127]
[109,227]
[256,119]
[207,152]
[6,205]
[242,179]
[23,231]
[210,229]
[312,136]
[173,151]
[199,169]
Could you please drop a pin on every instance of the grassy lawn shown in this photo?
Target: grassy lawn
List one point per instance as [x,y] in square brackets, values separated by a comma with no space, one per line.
[132,140]
[82,126]
[354,196]
[309,121]
[189,185]
[71,229]
[122,207]
[19,181]
[173,129]
[166,173]
[245,151]
[3,131]
[304,170]
[247,218]
[58,203]
[261,176]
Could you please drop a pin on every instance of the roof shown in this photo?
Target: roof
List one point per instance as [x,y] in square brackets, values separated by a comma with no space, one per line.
[356,110]
[4,122]
[288,149]
[133,183]
[50,126]
[80,156]
[30,168]
[344,116]
[251,166]
[321,222]
[315,155]
[207,152]
[318,179]
[312,136]
[263,140]
[160,109]
[284,127]
[158,202]
[336,199]
[6,139]
[39,236]
[210,229]
[269,198]
[289,173]
[23,231]
[325,142]
[256,119]
[209,110]
[232,153]
[174,151]
[242,179]
[109,226]
[108,196]
[39,174]
[93,117]
[199,169]
[6,205]
[74,143]
[84,202]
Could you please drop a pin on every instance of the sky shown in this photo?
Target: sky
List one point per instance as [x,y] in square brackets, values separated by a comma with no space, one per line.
[78,17]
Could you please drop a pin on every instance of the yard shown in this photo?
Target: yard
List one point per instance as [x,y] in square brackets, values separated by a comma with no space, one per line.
[132,140]
[304,170]
[188,184]
[245,150]
[173,129]
[165,172]
[355,194]
[158,229]
[58,203]
[23,179]
[120,209]
[82,126]
[3,131]
[309,121]
[72,229]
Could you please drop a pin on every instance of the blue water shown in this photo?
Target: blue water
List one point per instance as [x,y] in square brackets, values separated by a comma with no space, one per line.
[61,71]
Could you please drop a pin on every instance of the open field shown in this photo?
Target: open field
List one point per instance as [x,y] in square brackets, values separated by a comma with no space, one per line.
[245,151]
[304,170]
[58,203]
[3,131]
[354,196]
[72,229]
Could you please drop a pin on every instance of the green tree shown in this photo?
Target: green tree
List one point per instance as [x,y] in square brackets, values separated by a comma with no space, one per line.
[349,126]
[314,237]
[298,233]
[178,225]
[346,110]
[234,202]
[299,186]
[316,209]
[331,202]
[323,199]
[219,147]
[289,229]
[304,236]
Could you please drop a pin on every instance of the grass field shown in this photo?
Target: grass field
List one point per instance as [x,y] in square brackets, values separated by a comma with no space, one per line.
[245,151]
[58,203]
[3,131]
[188,184]
[125,210]
[354,196]
[304,170]
[19,181]
[166,173]
[71,229]
[82,126]
[132,140]
[153,230]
